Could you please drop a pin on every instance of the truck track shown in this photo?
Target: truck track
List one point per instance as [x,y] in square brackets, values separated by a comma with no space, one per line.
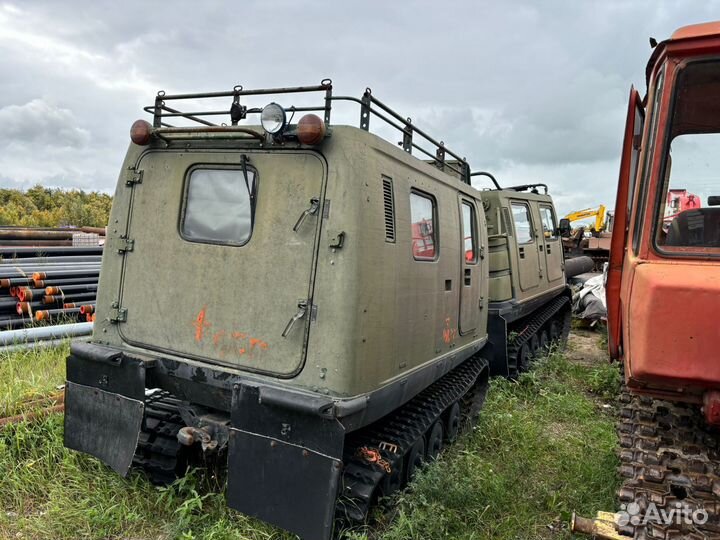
[670,461]
[382,457]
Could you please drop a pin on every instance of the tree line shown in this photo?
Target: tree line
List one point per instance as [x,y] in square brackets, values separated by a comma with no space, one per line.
[52,207]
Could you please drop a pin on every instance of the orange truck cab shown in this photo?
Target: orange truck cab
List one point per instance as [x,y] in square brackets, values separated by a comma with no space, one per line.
[663,281]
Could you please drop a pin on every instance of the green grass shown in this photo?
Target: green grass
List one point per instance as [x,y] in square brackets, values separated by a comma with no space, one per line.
[543,447]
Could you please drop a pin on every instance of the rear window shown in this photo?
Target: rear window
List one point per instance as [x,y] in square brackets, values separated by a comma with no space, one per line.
[219,206]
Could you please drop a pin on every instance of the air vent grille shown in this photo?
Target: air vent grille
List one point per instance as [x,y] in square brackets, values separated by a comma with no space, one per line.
[389,209]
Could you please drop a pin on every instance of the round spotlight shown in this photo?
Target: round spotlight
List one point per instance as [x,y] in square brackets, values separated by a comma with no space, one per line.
[140,132]
[272,118]
[310,129]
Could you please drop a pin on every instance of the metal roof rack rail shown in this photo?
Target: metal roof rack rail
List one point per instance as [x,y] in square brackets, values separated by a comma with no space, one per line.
[413,138]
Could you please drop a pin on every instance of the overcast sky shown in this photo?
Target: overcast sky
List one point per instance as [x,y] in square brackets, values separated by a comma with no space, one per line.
[530,90]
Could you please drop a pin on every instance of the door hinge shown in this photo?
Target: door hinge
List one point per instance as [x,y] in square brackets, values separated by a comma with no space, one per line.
[125,244]
[117,314]
[134,176]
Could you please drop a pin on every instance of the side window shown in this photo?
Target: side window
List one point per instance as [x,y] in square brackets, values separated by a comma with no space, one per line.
[547,216]
[523,224]
[219,206]
[469,229]
[422,218]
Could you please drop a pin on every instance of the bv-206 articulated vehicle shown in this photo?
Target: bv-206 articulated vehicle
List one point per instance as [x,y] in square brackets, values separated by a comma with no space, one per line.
[309,302]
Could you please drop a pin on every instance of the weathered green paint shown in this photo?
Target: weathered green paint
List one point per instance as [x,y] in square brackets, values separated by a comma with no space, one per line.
[541,269]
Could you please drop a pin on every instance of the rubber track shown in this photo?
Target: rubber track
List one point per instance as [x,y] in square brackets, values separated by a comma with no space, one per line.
[401,427]
[158,452]
[533,324]
[668,456]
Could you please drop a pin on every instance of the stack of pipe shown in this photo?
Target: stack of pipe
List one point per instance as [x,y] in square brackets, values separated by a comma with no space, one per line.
[43,236]
[48,285]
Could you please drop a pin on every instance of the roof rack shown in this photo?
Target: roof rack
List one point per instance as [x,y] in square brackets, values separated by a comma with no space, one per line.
[412,137]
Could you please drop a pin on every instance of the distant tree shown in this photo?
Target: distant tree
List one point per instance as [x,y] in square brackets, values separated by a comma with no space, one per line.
[51,207]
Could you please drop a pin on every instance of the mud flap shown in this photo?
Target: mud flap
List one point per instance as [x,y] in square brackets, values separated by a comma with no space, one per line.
[103,424]
[285,460]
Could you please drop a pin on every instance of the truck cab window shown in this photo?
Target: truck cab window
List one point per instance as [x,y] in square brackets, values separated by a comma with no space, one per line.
[523,223]
[422,218]
[218,206]
[548,223]
[688,215]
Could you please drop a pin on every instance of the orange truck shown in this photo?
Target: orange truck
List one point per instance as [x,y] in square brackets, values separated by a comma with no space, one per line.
[663,293]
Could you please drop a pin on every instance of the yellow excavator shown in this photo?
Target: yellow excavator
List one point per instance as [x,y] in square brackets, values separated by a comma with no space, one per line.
[598,213]
[597,246]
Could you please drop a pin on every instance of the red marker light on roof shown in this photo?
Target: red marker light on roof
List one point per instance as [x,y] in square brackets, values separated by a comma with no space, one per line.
[310,129]
[140,132]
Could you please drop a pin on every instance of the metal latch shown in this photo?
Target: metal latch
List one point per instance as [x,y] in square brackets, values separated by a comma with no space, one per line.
[314,205]
[134,176]
[117,314]
[482,252]
[338,241]
[126,244]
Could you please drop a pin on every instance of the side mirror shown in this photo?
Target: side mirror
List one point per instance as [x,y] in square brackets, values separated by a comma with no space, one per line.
[714,200]
[564,228]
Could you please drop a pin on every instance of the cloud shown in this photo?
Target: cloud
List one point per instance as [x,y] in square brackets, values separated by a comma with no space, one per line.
[40,124]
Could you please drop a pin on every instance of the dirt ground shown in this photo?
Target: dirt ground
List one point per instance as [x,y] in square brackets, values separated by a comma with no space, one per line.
[586,347]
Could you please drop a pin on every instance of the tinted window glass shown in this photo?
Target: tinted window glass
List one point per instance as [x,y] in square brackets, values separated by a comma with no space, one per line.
[218,207]
[523,225]
[548,223]
[422,217]
[469,239]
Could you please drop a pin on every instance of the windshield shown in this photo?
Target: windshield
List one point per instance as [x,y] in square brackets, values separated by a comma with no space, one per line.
[689,211]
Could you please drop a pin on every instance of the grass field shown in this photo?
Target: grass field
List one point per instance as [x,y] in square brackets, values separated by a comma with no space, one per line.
[544,446]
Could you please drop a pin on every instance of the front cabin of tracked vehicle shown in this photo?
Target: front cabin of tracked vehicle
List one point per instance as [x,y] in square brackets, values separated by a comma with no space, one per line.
[308,301]
[527,273]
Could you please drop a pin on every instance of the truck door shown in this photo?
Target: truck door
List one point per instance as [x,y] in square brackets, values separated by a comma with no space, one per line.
[526,253]
[222,260]
[551,244]
[469,267]
[630,156]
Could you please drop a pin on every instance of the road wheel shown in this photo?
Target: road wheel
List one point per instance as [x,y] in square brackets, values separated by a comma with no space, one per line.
[414,459]
[523,358]
[544,341]
[435,441]
[534,345]
[452,422]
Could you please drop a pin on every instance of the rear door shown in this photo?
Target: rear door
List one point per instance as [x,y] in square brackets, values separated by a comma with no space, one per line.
[526,253]
[221,259]
[470,267]
[551,244]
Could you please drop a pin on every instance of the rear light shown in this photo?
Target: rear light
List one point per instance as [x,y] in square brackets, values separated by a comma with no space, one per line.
[310,129]
[140,132]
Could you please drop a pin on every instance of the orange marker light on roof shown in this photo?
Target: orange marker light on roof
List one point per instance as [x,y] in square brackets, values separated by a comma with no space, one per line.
[310,129]
[140,132]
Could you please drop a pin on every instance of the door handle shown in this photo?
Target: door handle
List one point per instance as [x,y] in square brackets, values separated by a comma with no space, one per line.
[314,205]
[522,252]
[540,247]
[468,277]
[302,310]
[547,250]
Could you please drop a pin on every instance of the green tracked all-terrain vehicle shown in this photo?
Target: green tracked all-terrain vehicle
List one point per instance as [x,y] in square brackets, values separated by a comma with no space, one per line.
[309,303]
